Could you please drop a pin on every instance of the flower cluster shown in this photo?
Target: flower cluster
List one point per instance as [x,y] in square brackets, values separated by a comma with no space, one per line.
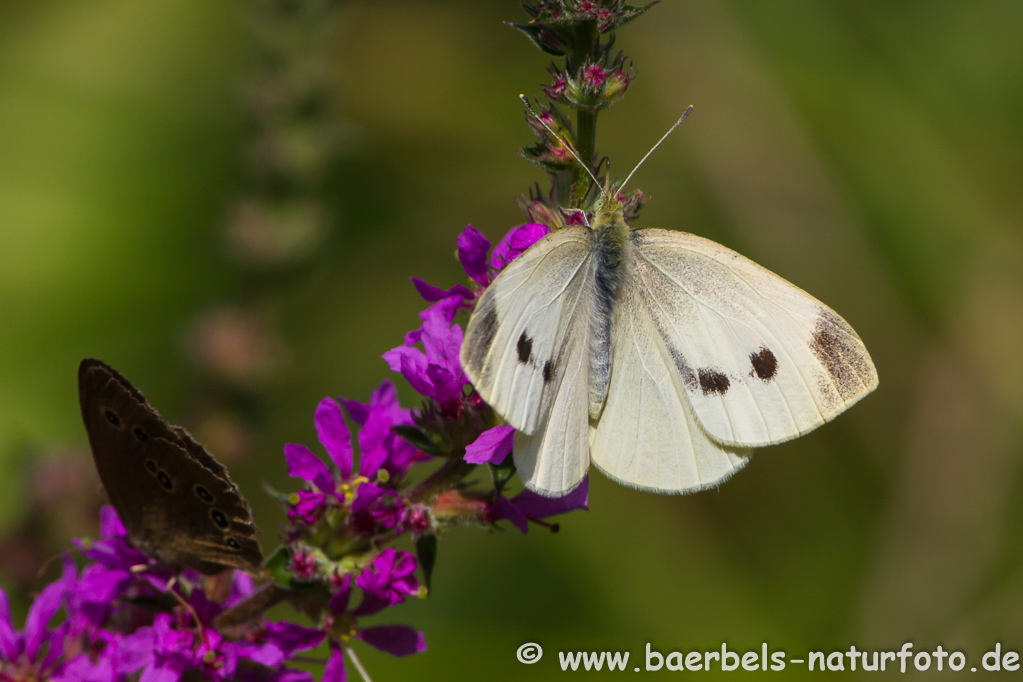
[346,519]
[592,84]
[126,616]
[402,479]
[553,22]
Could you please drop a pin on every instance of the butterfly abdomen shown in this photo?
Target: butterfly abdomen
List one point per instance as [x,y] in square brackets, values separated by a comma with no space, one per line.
[610,235]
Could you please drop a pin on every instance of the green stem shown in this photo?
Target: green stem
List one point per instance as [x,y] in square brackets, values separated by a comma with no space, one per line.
[587,42]
[443,479]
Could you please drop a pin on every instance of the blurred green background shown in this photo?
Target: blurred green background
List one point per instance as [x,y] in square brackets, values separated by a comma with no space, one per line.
[870,152]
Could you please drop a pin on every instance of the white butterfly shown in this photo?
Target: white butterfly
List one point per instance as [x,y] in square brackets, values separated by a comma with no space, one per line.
[660,356]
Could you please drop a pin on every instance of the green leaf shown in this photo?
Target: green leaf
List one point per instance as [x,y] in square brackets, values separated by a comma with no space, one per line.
[419,439]
[426,551]
[277,565]
[545,37]
[502,473]
[630,12]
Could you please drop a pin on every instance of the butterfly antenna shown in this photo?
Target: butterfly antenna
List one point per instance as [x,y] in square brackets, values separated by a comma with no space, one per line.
[585,167]
[677,124]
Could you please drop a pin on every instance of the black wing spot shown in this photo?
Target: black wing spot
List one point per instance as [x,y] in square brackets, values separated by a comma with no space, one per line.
[765,364]
[112,417]
[140,435]
[233,544]
[151,466]
[203,493]
[165,480]
[833,345]
[525,348]
[548,371]
[713,382]
[219,518]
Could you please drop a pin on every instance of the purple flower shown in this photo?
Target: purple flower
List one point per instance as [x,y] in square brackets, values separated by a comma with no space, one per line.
[399,640]
[492,446]
[306,507]
[388,581]
[164,651]
[276,643]
[594,76]
[113,550]
[303,565]
[37,652]
[336,440]
[435,371]
[381,448]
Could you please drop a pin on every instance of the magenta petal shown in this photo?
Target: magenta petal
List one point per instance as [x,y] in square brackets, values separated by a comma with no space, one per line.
[334,670]
[290,637]
[445,385]
[302,463]
[399,640]
[338,603]
[333,433]
[538,507]
[515,242]
[472,253]
[384,396]
[45,607]
[376,442]
[8,638]
[242,586]
[110,524]
[412,364]
[372,604]
[170,673]
[433,294]
[268,655]
[492,446]
[503,509]
[367,494]
[447,308]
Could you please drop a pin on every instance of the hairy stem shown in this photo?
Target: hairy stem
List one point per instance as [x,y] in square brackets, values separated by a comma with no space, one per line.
[443,479]
[587,46]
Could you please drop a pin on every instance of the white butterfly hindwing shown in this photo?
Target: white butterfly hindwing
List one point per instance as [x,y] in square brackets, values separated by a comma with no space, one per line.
[647,435]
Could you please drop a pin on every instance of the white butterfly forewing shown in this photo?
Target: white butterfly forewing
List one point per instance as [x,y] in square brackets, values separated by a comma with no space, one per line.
[761,360]
[647,435]
[516,344]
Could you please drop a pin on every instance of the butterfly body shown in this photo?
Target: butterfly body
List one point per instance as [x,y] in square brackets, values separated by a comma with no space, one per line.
[174,498]
[659,356]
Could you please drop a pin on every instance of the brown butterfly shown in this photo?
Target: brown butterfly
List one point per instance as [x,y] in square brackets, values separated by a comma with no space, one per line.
[176,501]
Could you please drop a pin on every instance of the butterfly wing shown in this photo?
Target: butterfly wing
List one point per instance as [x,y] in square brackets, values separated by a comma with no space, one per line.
[647,435]
[555,459]
[175,500]
[761,360]
[525,328]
